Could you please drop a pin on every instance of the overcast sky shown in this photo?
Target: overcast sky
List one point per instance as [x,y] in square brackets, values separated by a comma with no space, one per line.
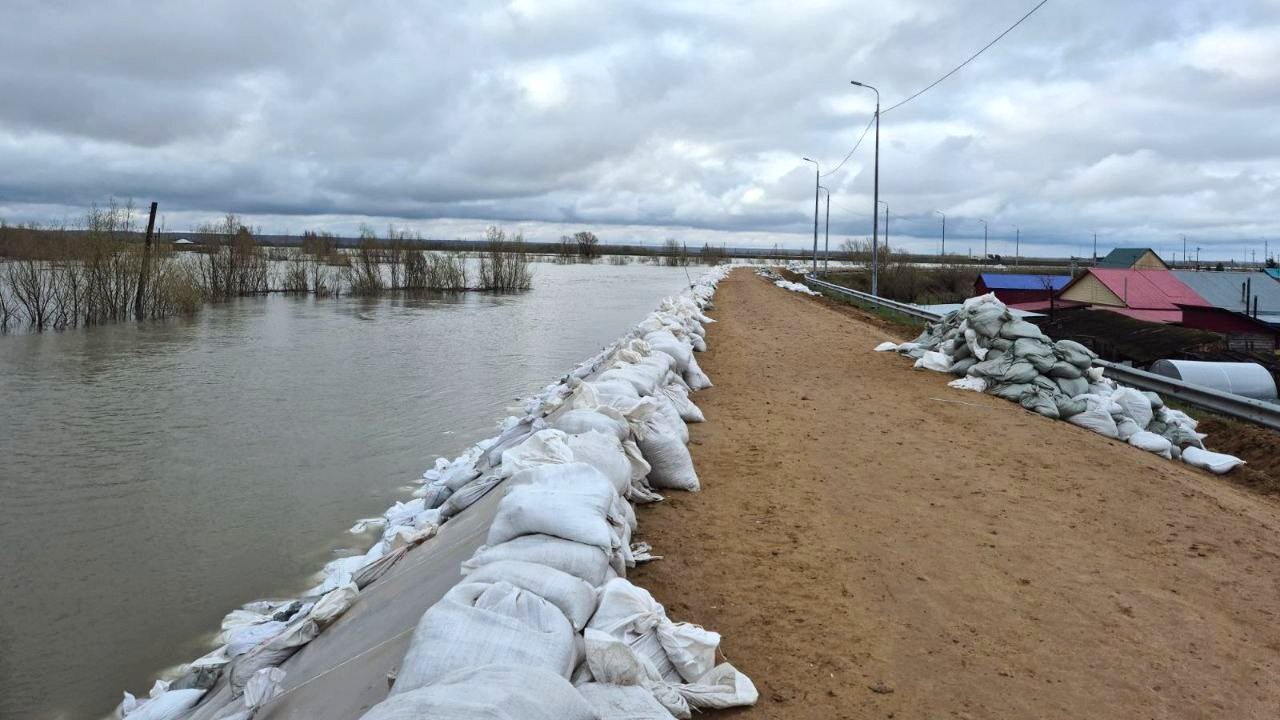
[1141,121]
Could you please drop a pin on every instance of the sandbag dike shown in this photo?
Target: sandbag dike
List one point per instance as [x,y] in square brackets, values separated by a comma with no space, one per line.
[500,589]
[996,353]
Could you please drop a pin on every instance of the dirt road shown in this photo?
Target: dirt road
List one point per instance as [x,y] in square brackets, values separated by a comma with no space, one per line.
[874,544]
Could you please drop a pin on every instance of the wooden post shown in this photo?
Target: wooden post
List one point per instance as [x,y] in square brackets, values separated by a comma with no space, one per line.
[146,264]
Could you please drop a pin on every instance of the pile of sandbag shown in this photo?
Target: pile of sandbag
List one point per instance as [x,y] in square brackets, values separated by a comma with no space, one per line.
[544,604]
[997,353]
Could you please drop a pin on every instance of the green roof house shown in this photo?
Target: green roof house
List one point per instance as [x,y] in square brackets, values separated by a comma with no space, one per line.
[1133,259]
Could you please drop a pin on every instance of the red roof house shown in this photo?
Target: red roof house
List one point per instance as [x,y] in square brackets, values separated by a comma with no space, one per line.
[1152,295]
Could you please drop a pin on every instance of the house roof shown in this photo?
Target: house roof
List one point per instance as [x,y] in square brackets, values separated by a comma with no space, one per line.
[1222,289]
[1124,257]
[1041,306]
[1000,281]
[1146,289]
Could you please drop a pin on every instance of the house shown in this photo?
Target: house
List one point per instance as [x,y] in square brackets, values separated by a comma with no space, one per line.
[1133,259]
[1227,290]
[1015,288]
[1242,332]
[1152,295]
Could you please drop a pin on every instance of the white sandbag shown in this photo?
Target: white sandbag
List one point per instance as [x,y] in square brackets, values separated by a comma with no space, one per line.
[582,561]
[577,422]
[1152,443]
[935,361]
[572,595]
[668,410]
[1097,419]
[694,376]
[336,602]
[699,343]
[605,453]
[545,447]
[164,704]
[679,651]
[671,466]
[975,384]
[886,347]
[640,467]
[1216,463]
[491,692]
[244,639]
[258,691]
[643,377]
[611,661]
[679,398]
[623,702]
[272,652]
[664,341]
[1126,427]
[722,687]
[568,501]
[478,624]
[1136,405]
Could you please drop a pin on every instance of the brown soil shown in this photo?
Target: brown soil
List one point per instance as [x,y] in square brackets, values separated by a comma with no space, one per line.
[1257,446]
[872,543]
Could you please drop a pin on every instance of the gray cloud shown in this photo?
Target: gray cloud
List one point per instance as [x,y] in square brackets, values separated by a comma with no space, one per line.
[1138,121]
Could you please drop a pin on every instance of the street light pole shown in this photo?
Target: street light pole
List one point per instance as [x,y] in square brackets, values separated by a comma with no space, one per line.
[817,175]
[826,230]
[984,241]
[944,232]
[886,226]
[875,203]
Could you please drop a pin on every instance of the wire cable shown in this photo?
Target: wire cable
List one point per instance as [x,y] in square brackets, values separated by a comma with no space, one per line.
[973,57]
[855,148]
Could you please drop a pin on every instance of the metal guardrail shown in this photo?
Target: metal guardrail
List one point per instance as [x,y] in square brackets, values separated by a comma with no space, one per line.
[1236,406]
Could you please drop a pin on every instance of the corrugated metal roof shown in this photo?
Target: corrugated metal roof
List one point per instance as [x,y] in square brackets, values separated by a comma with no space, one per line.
[1222,289]
[1013,281]
[1148,289]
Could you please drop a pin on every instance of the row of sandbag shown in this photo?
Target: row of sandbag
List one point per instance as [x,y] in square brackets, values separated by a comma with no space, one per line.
[256,638]
[545,624]
[773,277]
[1003,355]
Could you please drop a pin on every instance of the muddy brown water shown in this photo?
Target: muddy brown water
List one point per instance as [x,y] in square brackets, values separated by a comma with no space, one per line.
[155,476]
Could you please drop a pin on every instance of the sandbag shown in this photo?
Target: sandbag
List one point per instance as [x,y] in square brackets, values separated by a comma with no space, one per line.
[578,422]
[571,595]
[694,376]
[1065,370]
[679,397]
[1135,404]
[272,652]
[568,501]
[1152,443]
[478,624]
[334,604]
[623,702]
[671,466]
[588,562]
[665,408]
[163,703]
[545,447]
[1072,387]
[1098,419]
[679,651]
[1015,329]
[1216,463]
[1075,353]
[605,453]
[489,692]
[935,361]
[241,640]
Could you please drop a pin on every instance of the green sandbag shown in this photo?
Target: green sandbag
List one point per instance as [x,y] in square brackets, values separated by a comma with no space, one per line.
[1015,329]
[1063,369]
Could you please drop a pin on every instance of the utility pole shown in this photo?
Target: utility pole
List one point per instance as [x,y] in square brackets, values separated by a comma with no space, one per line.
[826,242]
[146,263]
[1095,249]
[1017,245]
[817,176]
[984,241]
[886,228]
[875,200]
[1184,252]
[944,233]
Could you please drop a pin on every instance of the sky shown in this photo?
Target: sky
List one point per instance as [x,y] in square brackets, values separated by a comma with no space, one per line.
[1139,121]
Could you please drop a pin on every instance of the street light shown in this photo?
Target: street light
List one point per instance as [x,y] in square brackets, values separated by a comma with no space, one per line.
[826,242]
[984,241]
[817,175]
[875,205]
[944,232]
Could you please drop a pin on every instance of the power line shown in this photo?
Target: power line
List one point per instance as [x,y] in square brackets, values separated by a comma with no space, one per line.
[855,148]
[966,62]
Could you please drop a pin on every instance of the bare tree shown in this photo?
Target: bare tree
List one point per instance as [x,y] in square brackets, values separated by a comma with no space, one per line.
[587,242]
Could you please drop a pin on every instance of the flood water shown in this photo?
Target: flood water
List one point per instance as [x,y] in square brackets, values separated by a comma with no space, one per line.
[155,476]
